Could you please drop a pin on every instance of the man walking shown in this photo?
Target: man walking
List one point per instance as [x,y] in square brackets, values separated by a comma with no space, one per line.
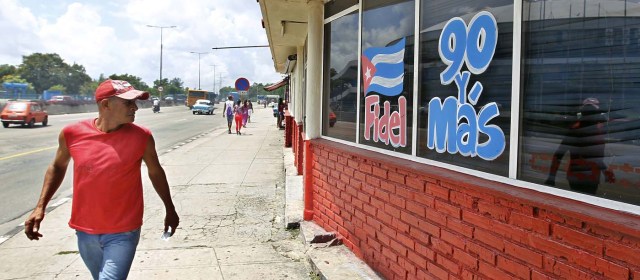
[107,201]
[229,112]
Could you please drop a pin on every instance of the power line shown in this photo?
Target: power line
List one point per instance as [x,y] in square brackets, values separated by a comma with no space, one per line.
[240,47]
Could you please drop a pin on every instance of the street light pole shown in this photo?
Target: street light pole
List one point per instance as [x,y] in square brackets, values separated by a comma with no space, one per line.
[214,77]
[199,53]
[161,28]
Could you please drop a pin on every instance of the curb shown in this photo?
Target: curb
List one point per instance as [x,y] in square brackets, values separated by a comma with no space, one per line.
[327,257]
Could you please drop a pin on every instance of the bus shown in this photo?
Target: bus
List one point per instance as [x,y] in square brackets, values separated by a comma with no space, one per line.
[194,94]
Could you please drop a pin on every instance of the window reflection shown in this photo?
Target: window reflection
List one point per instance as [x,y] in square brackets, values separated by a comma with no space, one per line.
[496,80]
[340,77]
[386,105]
[581,122]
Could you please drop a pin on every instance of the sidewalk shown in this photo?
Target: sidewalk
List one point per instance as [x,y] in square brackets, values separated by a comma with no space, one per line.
[229,193]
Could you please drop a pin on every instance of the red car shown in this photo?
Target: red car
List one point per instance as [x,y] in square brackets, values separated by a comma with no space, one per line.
[24,113]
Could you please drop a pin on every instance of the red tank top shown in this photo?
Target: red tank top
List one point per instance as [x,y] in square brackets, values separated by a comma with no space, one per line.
[107,185]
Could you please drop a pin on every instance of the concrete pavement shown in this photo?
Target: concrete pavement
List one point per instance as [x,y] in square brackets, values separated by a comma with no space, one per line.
[229,191]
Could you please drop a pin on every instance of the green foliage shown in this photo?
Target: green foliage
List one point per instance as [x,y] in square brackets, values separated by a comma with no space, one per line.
[89,88]
[76,77]
[7,70]
[60,88]
[13,79]
[46,70]
[42,71]
[226,90]
[169,88]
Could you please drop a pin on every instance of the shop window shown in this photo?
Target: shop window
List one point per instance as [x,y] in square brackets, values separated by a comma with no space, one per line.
[334,7]
[465,77]
[340,77]
[386,96]
[581,111]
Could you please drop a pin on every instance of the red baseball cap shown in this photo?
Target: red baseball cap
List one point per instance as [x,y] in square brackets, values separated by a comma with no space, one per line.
[120,89]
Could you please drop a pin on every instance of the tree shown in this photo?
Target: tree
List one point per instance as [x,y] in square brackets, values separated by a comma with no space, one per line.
[226,90]
[75,78]
[89,88]
[175,87]
[59,88]
[169,87]
[41,70]
[13,79]
[6,69]
[46,70]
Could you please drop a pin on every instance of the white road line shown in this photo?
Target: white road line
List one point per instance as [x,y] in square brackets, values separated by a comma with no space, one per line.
[61,201]
[3,239]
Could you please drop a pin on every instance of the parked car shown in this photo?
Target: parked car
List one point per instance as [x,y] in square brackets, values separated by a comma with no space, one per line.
[202,106]
[60,99]
[24,113]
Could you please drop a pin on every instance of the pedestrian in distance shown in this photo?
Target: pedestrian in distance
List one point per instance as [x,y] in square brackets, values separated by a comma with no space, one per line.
[238,117]
[250,110]
[245,113]
[281,108]
[229,111]
[107,206]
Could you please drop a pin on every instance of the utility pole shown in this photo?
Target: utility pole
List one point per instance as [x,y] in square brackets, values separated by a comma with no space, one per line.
[214,78]
[220,81]
[199,53]
[161,28]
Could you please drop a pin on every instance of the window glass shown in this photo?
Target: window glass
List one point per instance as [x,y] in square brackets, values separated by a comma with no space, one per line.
[580,117]
[333,7]
[340,77]
[18,106]
[465,83]
[386,97]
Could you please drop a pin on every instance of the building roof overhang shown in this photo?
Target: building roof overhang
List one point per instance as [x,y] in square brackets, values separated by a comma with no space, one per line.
[285,22]
[277,85]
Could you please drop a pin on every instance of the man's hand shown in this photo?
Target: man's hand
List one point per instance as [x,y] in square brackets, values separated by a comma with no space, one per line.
[172,220]
[32,224]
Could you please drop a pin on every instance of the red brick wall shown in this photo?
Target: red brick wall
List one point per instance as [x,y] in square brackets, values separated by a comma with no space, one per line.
[412,221]
[297,146]
[288,129]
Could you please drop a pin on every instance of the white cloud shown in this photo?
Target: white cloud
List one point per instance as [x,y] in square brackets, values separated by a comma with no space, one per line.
[112,37]
[17,25]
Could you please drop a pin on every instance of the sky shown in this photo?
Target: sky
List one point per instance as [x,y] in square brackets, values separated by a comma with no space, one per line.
[112,37]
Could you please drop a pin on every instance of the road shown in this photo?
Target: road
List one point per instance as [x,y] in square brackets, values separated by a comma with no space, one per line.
[25,154]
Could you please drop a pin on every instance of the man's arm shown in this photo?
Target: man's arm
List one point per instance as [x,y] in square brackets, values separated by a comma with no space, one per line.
[52,180]
[224,110]
[160,184]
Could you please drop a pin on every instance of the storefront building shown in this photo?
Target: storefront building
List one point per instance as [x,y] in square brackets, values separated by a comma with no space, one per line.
[485,139]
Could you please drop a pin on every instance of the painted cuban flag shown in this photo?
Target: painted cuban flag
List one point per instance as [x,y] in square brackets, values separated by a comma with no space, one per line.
[383,69]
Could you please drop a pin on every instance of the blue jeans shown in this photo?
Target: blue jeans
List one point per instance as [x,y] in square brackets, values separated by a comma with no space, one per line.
[108,256]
